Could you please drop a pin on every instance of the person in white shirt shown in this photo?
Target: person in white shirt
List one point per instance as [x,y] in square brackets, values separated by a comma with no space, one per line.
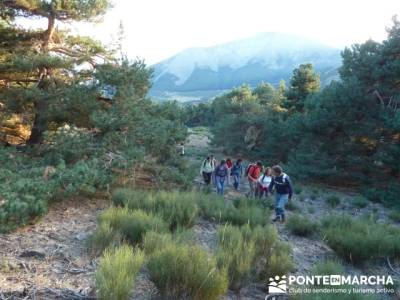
[206,169]
[263,182]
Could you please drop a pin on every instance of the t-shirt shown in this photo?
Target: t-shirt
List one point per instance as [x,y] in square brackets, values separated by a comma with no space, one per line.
[254,172]
[229,164]
[264,180]
[207,166]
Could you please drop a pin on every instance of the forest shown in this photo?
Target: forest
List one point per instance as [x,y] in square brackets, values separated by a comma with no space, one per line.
[96,201]
[344,134]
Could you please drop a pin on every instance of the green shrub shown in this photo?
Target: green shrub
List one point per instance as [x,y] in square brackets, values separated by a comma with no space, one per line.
[298,190]
[154,241]
[388,195]
[246,252]
[236,253]
[311,210]
[132,225]
[328,267]
[279,262]
[301,226]
[239,212]
[84,177]
[264,238]
[27,187]
[394,215]
[102,238]
[175,173]
[117,271]
[122,196]
[359,202]
[214,207]
[176,208]
[360,240]
[24,194]
[291,206]
[333,201]
[186,272]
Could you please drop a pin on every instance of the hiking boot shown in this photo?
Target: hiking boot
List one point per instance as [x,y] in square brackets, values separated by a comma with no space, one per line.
[277,218]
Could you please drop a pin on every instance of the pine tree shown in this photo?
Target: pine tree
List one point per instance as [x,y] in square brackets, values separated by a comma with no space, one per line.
[45,73]
[304,82]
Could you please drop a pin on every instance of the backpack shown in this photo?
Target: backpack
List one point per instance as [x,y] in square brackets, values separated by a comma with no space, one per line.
[205,161]
[251,170]
[221,171]
[284,177]
[248,169]
[235,169]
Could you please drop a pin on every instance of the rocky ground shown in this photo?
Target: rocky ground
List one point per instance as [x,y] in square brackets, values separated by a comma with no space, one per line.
[49,260]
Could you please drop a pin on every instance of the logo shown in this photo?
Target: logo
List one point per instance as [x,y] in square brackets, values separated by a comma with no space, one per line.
[277,285]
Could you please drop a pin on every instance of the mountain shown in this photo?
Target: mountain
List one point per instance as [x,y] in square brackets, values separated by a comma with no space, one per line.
[267,57]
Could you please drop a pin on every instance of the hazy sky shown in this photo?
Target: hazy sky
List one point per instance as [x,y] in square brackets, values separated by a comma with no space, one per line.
[157,29]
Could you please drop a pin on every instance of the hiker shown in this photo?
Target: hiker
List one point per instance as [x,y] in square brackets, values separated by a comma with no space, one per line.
[229,165]
[220,173]
[206,170]
[181,149]
[253,172]
[283,192]
[263,182]
[237,173]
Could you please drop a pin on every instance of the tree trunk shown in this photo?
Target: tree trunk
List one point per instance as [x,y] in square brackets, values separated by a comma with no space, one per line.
[39,126]
[36,136]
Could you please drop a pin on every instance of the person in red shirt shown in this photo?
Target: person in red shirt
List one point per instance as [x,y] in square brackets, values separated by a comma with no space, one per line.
[252,175]
[229,165]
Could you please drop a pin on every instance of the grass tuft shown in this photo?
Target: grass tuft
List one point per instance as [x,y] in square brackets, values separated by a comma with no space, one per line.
[116,224]
[246,252]
[179,209]
[360,240]
[186,272]
[359,202]
[301,226]
[333,201]
[117,271]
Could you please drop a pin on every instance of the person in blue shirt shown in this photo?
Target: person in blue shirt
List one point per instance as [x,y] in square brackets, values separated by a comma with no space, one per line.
[283,192]
[237,173]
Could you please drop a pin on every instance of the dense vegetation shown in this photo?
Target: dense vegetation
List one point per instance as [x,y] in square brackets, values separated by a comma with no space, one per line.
[74,114]
[346,133]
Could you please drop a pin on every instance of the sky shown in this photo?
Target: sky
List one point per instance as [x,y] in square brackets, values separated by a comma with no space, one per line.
[158,29]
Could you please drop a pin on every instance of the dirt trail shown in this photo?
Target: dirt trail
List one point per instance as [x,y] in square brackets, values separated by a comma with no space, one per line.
[48,260]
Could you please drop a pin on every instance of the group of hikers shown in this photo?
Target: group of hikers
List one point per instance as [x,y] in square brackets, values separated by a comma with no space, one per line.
[262,181]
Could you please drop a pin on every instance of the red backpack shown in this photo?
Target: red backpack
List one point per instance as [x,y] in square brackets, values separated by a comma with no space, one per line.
[250,170]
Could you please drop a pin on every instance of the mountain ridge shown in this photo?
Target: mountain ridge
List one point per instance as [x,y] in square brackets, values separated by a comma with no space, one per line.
[268,57]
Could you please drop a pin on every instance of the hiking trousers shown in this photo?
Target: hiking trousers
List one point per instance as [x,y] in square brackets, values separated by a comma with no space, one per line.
[207,177]
[236,181]
[280,202]
[220,182]
[253,188]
